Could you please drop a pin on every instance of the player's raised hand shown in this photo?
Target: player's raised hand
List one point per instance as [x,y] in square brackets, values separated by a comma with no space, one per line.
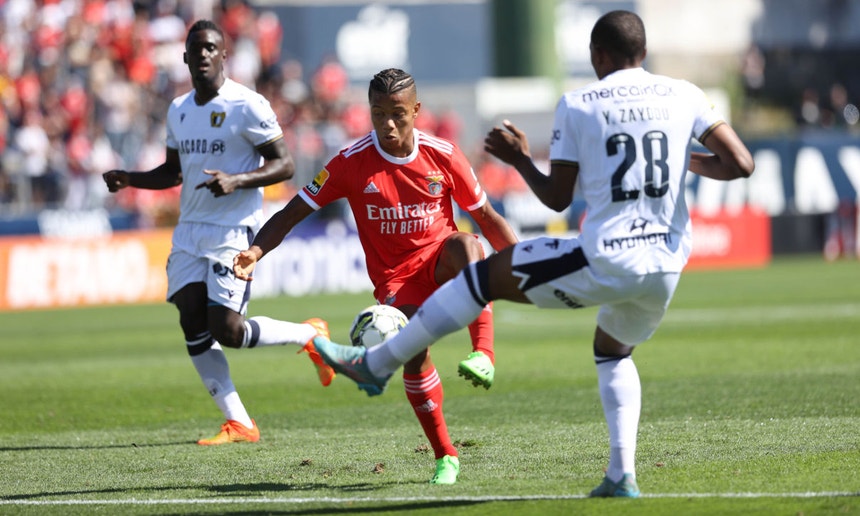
[244,264]
[509,144]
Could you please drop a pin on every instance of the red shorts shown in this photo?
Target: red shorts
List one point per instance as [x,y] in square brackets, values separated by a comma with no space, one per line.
[414,284]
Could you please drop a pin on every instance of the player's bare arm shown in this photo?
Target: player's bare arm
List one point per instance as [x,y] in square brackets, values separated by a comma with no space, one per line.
[278,166]
[511,146]
[270,236]
[166,175]
[730,159]
[494,227]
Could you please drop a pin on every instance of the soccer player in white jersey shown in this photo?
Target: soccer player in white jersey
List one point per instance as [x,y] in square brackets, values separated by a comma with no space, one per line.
[224,144]
[625,142]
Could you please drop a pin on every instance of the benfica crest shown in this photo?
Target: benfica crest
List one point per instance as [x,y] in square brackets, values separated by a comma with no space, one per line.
[434,184]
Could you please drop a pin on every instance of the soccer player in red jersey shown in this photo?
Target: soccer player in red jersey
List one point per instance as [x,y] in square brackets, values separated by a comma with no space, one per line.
[401,184]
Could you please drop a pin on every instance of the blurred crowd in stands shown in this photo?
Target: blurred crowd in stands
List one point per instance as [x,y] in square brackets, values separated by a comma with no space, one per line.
[823,102]
[85,86]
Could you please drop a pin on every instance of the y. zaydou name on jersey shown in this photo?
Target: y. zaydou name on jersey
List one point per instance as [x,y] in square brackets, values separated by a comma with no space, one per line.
[636,114]
[403,218]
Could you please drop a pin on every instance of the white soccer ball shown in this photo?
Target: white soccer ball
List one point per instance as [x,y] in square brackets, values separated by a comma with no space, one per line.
[375,324]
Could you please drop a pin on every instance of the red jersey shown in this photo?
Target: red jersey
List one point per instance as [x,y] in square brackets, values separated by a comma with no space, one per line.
[402,206]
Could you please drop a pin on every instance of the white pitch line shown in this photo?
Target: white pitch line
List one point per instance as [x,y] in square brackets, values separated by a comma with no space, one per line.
[400,499]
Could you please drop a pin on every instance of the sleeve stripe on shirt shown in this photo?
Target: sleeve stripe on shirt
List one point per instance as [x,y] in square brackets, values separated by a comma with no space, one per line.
[359,146]
[436,143]
[271,140]
[481,202]
[307,198]
[709,131]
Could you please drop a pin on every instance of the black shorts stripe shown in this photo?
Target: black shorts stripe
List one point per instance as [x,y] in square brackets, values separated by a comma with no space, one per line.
[482,271]
[543,271]
[467,273]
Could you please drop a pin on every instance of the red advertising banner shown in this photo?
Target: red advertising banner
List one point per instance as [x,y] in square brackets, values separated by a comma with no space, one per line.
[38,272]
[739,238]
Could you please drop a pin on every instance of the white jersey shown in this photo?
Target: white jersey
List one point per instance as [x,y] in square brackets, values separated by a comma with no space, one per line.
[631,135]
[223,134]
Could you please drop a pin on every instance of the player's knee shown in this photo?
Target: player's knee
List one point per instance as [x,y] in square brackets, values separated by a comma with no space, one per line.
[193,323]
[229,335]
[607,346]
[464,247]
[229,332]
[472,246]
[227,326]
[460,250]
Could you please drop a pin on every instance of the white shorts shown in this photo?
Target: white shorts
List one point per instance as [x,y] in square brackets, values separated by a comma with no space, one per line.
[556,274]
[204,253]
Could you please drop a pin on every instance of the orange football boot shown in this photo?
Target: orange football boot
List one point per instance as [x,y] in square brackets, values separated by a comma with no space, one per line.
[325,372]
[233,432]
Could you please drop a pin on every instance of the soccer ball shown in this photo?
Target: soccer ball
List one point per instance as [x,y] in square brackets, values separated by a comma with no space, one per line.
[375,324]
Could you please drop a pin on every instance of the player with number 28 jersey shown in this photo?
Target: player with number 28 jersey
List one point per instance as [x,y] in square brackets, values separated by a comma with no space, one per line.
[636,219]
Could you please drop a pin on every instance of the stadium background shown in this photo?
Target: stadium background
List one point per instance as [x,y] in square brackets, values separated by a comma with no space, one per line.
[84,86]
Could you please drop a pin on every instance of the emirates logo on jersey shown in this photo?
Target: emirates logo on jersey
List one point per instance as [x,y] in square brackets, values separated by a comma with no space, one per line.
[434,184]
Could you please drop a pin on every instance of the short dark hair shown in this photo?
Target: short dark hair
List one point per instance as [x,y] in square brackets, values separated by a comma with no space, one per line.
[621,33]
[390,81]
[204,25]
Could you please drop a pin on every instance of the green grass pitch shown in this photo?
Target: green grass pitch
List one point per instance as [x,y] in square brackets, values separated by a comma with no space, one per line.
[751,405]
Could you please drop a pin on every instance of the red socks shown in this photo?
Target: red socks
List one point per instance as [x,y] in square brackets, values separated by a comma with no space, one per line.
[424,392]
[481,331]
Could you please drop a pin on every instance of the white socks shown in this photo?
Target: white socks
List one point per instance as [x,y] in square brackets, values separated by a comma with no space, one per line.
[447,310]
[212,364]
[215,373]
[265,331]
[621,395]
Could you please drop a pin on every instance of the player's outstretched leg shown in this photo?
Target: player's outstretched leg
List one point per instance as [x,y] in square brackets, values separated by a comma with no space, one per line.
[350,361]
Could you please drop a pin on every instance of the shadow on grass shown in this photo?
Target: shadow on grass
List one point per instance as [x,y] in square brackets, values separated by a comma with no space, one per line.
[91,447]
[226,491]
[369,509]
[268,487]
